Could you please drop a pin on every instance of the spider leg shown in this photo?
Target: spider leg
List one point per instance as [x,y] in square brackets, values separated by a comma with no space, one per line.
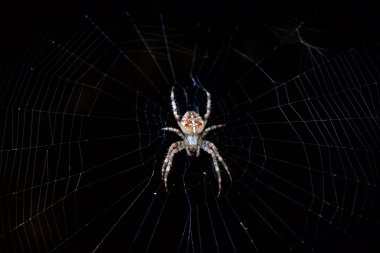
[210,148]
[216,166]
[208,106]
[174,105]
[175,130]
[173,149]
[214,148]
[207,130]
[198,150]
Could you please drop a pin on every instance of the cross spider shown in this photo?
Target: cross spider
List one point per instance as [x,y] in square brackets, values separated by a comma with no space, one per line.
[192,133]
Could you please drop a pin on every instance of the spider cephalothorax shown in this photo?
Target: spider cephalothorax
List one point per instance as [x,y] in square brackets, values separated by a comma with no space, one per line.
[192,132]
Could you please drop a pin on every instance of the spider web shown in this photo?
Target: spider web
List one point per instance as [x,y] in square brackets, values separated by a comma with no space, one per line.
[82,147]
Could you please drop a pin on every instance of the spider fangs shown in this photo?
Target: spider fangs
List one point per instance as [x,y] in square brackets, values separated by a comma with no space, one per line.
[192,131]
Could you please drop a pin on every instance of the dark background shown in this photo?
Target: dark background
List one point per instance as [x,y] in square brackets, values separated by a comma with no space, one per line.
[350,19]
[346,23]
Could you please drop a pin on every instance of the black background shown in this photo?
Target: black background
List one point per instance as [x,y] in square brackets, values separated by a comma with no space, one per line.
[349,23]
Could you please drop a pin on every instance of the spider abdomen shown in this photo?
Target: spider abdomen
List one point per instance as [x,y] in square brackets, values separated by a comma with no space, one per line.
[192,123]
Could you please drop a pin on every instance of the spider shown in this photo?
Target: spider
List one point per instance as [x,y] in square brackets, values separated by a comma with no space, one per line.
[192,133]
